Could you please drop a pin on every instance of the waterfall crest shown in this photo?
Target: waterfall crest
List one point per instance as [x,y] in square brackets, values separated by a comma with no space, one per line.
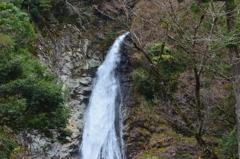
[100,139]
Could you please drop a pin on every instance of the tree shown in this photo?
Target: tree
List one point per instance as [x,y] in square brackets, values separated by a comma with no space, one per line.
[34,7]
[231,8]
[195,32]
[194,38]
[30,98]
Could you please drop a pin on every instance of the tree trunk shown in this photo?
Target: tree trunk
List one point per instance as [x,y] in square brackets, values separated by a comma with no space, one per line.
[236,88]
[196,132]
[235,61]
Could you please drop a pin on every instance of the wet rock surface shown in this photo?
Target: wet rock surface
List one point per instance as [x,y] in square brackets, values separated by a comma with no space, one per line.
[67,49]
[74,58]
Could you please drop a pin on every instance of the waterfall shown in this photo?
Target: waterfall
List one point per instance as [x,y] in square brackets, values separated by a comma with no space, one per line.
[100,139]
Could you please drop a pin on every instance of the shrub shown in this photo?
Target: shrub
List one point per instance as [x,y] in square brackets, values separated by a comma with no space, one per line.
[144,84]
[228,146]
[30,99]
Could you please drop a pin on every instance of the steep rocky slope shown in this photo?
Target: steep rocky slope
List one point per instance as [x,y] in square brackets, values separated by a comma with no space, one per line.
[72,43]
[155,128]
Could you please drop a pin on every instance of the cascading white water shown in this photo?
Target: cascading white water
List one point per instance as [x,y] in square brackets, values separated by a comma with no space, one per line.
[100,139]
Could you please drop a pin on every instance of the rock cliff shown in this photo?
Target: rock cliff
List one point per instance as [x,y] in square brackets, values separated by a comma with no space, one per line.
[72,43]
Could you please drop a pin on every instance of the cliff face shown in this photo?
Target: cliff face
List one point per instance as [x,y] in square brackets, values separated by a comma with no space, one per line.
[72,43]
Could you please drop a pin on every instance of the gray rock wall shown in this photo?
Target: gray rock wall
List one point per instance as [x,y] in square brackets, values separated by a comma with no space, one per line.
[67,49]
[64,50]
[124,72]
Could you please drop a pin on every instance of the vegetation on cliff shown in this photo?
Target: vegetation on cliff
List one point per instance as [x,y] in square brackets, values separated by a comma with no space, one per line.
[183,58]
[30,98]
[192,86]
[198,35]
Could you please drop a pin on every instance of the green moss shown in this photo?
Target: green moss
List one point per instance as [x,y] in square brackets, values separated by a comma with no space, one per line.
[185,154]
[161,128]
[142,138]
[146,124]
[144,132]
[149,155]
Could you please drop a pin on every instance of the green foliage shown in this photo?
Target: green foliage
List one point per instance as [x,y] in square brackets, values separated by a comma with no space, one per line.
[148,155]
[32,103]
[228,146]
[185,154]
[205,4]
[6,146]
[237,28]
[15,23]
[63,134]
[17,3]
[157,47]
[45,4]
[194,8]
[180,1]
[224,110]
[168,65]
[34,7]
[144,83]
[156,50]
[170,70]
[167,57]
[90,2]
[233,38]
[226,67]
[230,5]
[30,99]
